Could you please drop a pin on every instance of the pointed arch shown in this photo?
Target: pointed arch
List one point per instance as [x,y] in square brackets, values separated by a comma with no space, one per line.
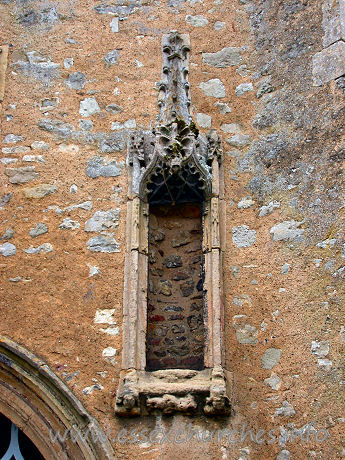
[40,404]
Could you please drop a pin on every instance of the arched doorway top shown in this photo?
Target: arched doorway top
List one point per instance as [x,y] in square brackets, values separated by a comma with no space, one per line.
[40,404]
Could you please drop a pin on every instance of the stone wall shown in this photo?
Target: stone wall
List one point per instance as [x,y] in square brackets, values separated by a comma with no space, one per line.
[175,337]
[80,77]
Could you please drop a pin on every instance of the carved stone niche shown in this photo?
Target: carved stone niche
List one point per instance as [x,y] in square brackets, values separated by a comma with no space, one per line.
[173,164]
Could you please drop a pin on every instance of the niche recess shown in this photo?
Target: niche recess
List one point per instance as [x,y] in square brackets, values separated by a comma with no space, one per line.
[173,309]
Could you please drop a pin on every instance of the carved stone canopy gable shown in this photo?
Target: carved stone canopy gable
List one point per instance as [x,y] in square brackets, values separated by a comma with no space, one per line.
[171,165]
[174,159]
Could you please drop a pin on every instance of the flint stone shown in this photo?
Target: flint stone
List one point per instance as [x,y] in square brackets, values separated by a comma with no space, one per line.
[165,287]
[45,247]
[86,206]
[114,108]
[320,349]
[243,237]
[213,88]
[40,229]
[204,120]
[223,108]
[286,410]
[173,261]
[182,239]
[329,64]
[40,191]
[283,455]
[243,88]
[333,21]
[226,57]
[7,249]
[196,21]
[268,209]
[56,127]
[21,175]
[40,145]
[288,231]
[187,288]
[218,25]
[76,80]
[8,234]
[114,25]
[69,224]
[273,382]
[15,150]
[103,220]
[239,140]
[98,166]
[88,107]
[231,128]
[247,335]
[103,243]
[13,139]
[270,358]
[112,57]
[115,142]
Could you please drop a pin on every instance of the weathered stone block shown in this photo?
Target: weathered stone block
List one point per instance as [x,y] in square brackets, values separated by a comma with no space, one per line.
[226,57]
[21,175]
[40,191]
[333,21]
[329,64]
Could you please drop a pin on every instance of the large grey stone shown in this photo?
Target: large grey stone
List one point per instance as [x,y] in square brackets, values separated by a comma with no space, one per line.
[213,88]
[320,349]
[115,142]
[112,57]
[333,21]
[40,191]
[288,231]
[204,120]
[196,21]
[40,229]
[21,175]
[243,236]
[103,243]
[12,139]
[45,247]
[15,150]
[76,80]
[99,166]
[88,107]
[38,67]
[7,249]
[270,358]
[329,64]
[239,140]
[243,88]
[226,57]
[56,127]
[247,335]
[69,224]
[103,220]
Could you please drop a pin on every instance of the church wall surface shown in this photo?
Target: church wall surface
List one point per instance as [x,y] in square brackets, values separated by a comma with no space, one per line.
[76,78]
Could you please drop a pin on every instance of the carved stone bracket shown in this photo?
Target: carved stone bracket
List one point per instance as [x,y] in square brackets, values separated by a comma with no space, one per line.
[173,390]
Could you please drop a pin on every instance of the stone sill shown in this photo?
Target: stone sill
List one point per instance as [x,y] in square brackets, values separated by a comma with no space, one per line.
[173,390]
